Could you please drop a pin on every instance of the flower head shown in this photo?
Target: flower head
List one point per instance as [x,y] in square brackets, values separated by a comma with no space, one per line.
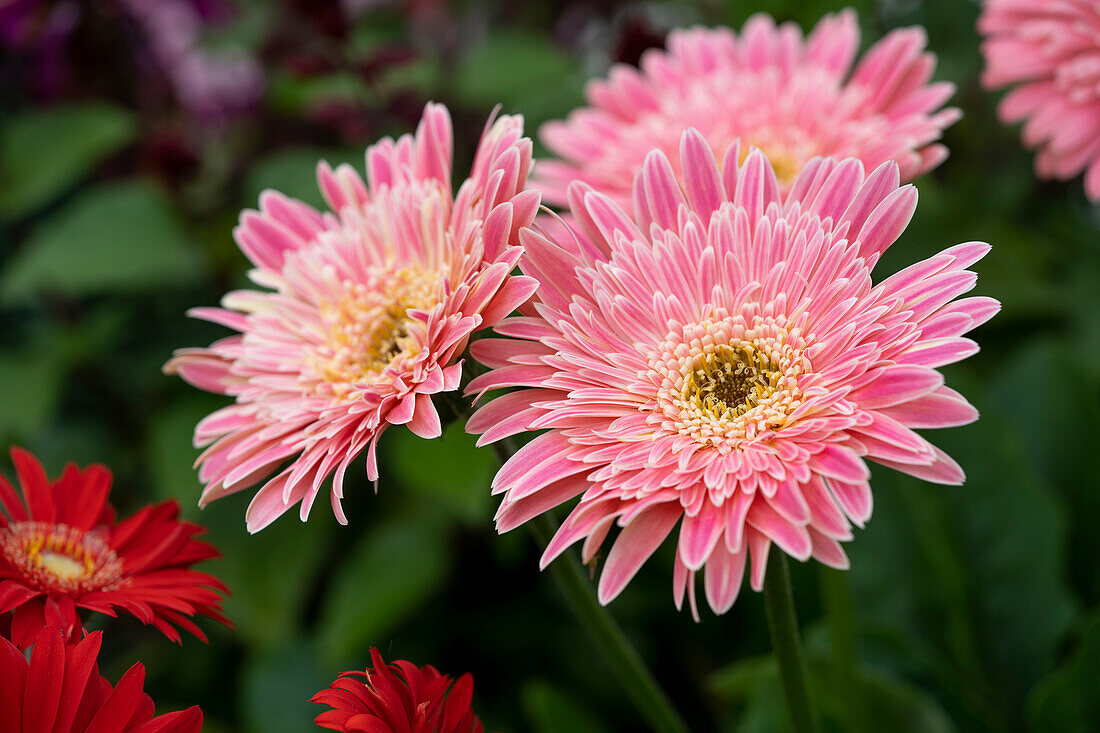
[794,98]
[59,689]
[398,697]
[369,310]
[62,550]
[1049,54]
[724,361]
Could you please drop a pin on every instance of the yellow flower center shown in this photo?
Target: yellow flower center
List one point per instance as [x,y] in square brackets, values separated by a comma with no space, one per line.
[63,566]
[785,162]
[731,380]
[728,379]
[59,558]
[368,328]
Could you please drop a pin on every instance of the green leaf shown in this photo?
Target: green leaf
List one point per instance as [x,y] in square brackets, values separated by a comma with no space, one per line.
[122,237]
[295,95]
[422,76]
[272,573]
[1047,393]
[1068,700]
[32,378]
[891,702]
[742,679]
[524,72]
[804,12]
[898,706]
[549,710]
[44,151]
[392,570]
[170,453]
[277,685]
[451,470]
[1011,530]
[30,387]
[294,172]
[750,687]
[978,568]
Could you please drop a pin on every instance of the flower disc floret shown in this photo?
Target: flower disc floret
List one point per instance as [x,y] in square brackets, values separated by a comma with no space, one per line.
[61,559]
[726,381]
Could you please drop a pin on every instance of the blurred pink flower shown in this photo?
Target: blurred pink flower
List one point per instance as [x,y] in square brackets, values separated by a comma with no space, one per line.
[791,97]
[372,306]
[1049,54]
[722,360]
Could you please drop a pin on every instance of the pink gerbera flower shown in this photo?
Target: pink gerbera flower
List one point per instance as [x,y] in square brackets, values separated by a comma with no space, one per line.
[63,552]
[58,688]
[1050,53]
[722,360]
[369,310]
[398,698]
[791,97]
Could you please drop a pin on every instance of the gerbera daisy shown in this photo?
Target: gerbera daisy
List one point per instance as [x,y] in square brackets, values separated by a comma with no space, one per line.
[61,550]
[59,689]
[369,310]
[791,97]
[1049,53]
[398,697]
[724,361]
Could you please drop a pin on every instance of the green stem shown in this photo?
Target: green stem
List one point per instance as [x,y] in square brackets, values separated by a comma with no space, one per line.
[621,656]
[783,625]
[624,660]
[837,598]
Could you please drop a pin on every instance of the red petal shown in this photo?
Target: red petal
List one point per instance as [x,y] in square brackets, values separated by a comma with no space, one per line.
[13,505]
[13,678]
[81,665]
[44,679]
[36,487]
[119,707]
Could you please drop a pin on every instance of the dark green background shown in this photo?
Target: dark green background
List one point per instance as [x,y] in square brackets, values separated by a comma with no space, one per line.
[977,606]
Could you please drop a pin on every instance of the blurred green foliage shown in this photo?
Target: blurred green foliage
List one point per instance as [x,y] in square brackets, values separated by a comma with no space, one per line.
[37,168]
[976,606]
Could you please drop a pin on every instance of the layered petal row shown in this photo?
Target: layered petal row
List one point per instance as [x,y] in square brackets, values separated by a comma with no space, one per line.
[367,310]
[63,552]
[793,97]
[398,698]
[722,361]
[58,688]
[1048,55]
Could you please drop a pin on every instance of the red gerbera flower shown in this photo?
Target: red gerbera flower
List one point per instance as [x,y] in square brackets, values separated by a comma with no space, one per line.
[60,690]
[398,697]
[60,550]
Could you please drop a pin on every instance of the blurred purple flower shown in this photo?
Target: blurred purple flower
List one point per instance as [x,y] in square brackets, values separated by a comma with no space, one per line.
[37,33]
[210,84]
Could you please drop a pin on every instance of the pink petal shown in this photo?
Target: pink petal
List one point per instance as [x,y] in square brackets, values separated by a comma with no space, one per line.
[722,578]
[637,541]
[699,535]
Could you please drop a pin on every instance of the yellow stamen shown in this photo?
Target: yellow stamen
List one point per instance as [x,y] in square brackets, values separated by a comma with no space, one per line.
[368,327]
[731,380]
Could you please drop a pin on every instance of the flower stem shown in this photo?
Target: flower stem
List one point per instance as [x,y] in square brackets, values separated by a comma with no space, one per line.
[617,651]
[783,625]
[627,665]
[837,597]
